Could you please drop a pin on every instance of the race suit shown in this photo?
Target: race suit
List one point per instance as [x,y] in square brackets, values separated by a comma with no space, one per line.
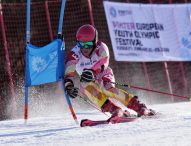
[102,89]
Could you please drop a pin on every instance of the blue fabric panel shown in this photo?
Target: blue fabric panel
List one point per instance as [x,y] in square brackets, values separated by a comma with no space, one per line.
[44,64]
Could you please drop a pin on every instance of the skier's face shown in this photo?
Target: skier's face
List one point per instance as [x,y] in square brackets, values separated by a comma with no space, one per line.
[86,52]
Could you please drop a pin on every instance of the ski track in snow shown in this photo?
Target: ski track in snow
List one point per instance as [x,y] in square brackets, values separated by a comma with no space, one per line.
[171,128]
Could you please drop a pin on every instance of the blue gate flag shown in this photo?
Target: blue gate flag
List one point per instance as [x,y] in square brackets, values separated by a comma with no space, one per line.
[44,64]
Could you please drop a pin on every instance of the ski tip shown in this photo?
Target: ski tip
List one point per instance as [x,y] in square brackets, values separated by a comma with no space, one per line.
[82,122]
[88,122]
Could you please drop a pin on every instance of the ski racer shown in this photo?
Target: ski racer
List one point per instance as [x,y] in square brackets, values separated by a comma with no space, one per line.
[90,59]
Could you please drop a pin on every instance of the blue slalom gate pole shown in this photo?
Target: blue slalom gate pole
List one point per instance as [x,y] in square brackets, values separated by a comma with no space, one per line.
[28,22]
[60,35]
[27,41]
[61,17]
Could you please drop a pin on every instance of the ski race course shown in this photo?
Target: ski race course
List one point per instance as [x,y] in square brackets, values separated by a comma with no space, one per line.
[171,128]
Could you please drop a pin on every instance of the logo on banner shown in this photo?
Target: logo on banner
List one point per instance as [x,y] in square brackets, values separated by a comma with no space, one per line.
[53,55]
[124,12]
[113,12]
[38,64]
[186,41]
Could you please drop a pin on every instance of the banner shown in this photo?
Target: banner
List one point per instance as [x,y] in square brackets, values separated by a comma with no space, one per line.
[44,64]
[147,33]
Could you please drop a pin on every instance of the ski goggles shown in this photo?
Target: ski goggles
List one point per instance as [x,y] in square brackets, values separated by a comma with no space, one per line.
[86,45]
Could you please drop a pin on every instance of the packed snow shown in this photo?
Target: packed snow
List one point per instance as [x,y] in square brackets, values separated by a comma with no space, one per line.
[172,127]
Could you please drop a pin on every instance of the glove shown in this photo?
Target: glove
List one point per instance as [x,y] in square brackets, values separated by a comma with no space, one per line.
[70,89]
[87,76]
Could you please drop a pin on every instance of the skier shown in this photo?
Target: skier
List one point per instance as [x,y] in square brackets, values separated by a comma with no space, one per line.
[90,60]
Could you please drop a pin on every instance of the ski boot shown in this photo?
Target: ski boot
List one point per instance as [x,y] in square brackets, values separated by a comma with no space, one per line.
[110,107]
[140,108]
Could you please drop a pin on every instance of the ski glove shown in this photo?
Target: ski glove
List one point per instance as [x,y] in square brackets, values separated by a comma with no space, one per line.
[87,76]
[70,89]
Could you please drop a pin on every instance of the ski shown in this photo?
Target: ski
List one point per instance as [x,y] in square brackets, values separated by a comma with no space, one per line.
[88,122]
[112,120]
[116,119]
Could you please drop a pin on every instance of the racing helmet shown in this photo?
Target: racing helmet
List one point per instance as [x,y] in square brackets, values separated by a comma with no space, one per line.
[87,33]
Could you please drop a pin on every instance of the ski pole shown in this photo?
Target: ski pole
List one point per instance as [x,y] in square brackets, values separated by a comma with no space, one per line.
[145,89]
[70,104]
[92,105]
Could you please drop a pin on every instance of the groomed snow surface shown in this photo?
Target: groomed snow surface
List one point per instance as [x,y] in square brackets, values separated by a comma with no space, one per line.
[171,128]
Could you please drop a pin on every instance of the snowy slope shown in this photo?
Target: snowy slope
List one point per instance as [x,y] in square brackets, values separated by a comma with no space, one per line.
[172,128]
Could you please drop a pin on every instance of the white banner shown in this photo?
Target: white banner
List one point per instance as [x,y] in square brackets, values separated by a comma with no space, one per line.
[142,32]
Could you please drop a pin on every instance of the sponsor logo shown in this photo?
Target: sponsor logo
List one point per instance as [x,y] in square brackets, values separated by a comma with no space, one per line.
[124,12]
[113,12]
[82,64]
